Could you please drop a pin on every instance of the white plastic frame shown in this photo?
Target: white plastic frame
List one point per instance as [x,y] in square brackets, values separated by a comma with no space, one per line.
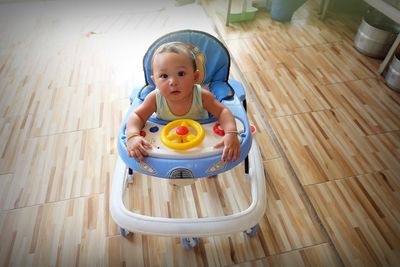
[192,227]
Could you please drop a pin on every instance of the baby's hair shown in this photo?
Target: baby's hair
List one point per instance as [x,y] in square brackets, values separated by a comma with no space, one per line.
[178,48]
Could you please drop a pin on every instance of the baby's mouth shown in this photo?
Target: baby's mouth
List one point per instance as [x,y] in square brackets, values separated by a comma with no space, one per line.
[176,92]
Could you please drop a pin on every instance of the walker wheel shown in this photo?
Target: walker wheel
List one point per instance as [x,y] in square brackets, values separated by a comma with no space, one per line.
[129,179]
[190,242]
[123,232]
[252,232]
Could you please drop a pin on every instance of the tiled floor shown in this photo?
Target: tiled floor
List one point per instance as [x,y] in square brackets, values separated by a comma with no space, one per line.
[327,127]
[336,122]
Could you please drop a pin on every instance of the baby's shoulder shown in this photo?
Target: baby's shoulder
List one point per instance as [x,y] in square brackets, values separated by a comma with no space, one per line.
[151,97]
[206,93]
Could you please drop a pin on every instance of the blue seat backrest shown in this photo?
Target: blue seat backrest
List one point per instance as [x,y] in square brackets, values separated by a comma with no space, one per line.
[216,61]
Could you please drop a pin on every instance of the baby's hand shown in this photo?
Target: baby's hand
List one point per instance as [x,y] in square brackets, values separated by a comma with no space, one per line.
[137,147]
[231,150]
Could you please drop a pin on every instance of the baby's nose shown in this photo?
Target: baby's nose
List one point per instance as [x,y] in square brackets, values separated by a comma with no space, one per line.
[173,81]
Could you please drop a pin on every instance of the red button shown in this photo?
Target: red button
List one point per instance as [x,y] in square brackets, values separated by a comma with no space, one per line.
[182,130]
[142,133]
[253,129]
[218,130]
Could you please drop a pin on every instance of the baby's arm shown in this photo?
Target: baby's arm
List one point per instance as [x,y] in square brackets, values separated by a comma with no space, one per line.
[135,143]
[227,121]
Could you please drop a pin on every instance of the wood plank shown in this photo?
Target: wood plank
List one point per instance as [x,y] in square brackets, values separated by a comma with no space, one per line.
[60,167]
[372,106]
[70,109]
[5,185]
[362,218]
[289,222]
[285,92]
[320,255]
[332,147]
[335,62]
[14,132]
[257,117]
[68,232]
[263,135]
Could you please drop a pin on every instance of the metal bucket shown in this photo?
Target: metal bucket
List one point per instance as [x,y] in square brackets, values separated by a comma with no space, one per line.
[282,10]
[374,38]
[392,77]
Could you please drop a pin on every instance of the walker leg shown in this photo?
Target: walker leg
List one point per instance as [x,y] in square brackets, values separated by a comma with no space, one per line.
[123,232]
[190,242]
[246,165]
[252,232]
[129,177]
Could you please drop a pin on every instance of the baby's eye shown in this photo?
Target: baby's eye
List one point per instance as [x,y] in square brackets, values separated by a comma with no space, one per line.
[163,76]
[181,73]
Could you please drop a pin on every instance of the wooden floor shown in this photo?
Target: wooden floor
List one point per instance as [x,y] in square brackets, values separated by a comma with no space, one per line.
[328,128]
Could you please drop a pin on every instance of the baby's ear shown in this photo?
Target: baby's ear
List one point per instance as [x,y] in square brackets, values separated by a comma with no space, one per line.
[152,78]
[196,76]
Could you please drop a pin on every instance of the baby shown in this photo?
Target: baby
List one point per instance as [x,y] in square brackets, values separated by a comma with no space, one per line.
[177,95]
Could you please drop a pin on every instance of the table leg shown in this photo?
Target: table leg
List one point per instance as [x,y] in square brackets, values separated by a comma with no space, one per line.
[323,8]
[389,55]
[228,13]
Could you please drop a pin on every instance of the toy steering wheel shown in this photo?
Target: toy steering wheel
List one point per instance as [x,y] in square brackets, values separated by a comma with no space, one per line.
[182,138]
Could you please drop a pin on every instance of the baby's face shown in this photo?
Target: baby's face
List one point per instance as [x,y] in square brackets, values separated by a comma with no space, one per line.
[174,76]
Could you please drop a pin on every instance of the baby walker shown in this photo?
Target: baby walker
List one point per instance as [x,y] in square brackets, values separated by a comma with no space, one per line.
[186,154]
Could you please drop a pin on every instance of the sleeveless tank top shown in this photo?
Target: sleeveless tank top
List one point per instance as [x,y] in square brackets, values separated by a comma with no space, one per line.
[196,111]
